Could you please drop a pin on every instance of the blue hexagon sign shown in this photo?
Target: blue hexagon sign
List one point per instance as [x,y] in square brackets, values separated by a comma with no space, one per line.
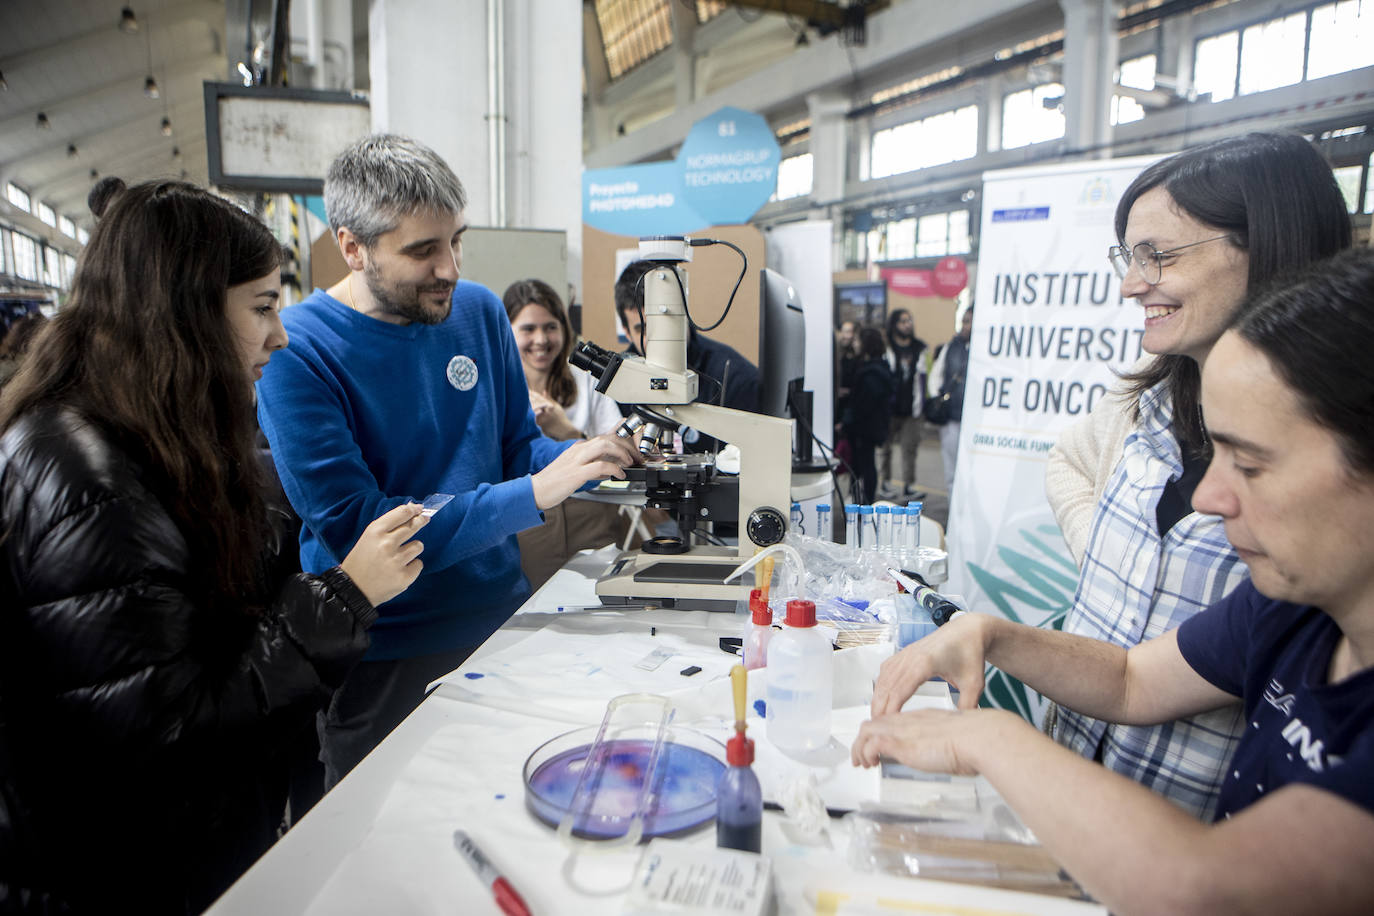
[726,170]
[729,166]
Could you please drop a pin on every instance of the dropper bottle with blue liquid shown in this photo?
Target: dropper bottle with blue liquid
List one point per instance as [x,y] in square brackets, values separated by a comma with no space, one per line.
[739,798]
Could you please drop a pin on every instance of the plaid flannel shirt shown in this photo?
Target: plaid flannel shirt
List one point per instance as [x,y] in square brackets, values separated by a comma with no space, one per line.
[1135,585]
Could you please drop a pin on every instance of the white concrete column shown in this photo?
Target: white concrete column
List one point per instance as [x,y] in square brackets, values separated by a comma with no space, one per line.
[828,144]
[434,78]
[684,53]
[1090,49]
[598,78]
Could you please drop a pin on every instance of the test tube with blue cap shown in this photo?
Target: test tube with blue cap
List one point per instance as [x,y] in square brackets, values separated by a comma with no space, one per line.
[823,529]
[913,527]
[797,525]
[868,529]
[851,525]
[882,520]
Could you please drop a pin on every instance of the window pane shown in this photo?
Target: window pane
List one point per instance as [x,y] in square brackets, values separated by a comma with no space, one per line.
[1026,120]
[1369,187]
[82,235]
[1348,178]
[1342,38]
[18,196]
[47,214]
[901,240]
[68,270]
[932,236]
[1138,72]
[958,233]
[25,257]
[1214,66]
[946,137]
[794,176]
[1271,53]
[1126,109]
[67,227]
[52,266]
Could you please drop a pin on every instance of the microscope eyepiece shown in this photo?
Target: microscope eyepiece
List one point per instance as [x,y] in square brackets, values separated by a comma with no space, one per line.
[588,357]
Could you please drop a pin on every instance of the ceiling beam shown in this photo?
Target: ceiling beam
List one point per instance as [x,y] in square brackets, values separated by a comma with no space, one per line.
[89,42]
[188,119]
[113,89]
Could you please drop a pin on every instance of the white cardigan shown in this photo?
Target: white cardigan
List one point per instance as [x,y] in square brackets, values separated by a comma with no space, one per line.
[1081,463]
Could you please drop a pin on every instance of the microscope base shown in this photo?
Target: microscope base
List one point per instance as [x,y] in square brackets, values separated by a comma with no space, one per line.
[691,581]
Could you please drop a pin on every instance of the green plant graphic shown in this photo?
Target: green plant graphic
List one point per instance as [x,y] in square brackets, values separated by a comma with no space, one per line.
[1037,589]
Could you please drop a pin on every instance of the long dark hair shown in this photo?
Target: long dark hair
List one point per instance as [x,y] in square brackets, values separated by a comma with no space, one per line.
[521,293]
[144,351]
[1317,330]
[1277,199]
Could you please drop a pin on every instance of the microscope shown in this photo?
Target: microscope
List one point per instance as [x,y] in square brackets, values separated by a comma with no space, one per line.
[660,390]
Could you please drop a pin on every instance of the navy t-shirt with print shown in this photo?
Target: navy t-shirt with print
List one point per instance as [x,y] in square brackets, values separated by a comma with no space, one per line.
[1299,728]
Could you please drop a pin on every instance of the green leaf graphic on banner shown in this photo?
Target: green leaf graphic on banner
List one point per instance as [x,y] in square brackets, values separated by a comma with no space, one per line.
[1033,585]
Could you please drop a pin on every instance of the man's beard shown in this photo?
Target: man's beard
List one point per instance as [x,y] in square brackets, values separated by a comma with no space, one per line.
[406,303]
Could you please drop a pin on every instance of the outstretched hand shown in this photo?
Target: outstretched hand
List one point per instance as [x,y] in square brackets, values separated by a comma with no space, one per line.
[591,459]
[386,559]
[955,652]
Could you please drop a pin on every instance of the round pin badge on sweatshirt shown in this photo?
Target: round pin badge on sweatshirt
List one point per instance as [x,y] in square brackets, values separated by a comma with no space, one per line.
[462,373]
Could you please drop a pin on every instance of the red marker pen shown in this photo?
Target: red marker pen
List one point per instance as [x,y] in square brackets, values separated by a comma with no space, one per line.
[506,897]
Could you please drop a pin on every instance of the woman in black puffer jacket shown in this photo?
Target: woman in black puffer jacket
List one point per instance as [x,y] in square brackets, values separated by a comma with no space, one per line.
[158,655]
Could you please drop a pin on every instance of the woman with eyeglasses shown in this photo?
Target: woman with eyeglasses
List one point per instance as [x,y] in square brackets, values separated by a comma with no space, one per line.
[1197,232]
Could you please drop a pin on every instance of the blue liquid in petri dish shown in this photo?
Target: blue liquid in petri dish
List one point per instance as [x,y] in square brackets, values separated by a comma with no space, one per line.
[685,798]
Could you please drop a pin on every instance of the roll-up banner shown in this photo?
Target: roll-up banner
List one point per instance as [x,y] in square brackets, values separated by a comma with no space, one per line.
[1050,334]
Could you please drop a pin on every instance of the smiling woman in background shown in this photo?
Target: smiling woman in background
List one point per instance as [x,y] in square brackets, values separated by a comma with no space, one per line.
[160,651]
[1197,232]
[566,405]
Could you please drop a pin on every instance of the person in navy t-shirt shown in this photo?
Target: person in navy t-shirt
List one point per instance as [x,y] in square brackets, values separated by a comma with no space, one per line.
[1288,393]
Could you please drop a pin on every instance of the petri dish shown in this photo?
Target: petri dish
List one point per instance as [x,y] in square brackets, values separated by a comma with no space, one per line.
[684,782]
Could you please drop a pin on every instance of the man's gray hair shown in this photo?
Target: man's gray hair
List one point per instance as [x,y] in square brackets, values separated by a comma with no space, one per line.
[379,180]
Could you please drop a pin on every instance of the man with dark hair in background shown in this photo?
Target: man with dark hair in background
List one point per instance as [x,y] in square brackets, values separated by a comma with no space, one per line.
[728,379]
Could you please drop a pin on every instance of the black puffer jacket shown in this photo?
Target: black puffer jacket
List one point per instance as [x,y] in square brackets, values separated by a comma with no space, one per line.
[142,736]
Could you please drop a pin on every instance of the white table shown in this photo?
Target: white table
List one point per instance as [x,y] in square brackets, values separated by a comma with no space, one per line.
[379,842]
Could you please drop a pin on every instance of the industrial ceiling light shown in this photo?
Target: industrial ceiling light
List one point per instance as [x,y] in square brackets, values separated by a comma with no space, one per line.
[71,150]
[128,22]
[42,121]
[166,127]
[150,88]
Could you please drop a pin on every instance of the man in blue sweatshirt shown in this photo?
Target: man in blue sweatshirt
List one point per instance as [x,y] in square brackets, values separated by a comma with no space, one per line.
[401,381]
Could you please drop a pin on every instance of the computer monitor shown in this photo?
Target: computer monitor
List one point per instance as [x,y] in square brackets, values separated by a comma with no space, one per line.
[782,357]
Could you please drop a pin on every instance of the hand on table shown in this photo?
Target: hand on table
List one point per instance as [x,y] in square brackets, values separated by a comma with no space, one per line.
[386,560]
[936,740]
[955,652]
[591,459]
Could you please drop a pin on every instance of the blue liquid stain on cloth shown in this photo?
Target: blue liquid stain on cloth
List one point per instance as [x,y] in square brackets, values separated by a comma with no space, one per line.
[473,675]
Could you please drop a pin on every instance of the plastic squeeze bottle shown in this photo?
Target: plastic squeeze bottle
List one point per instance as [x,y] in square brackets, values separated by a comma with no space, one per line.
[760,631]
[800,682]
[739,799]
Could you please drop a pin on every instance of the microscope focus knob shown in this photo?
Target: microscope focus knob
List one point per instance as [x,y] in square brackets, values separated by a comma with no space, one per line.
[766,526]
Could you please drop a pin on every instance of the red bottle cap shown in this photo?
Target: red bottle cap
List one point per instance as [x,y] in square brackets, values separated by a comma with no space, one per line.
[762,613]
[739,751]
[801,613]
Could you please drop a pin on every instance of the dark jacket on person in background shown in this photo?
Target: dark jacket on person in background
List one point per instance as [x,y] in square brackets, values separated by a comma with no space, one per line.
[144,727]
[869,413]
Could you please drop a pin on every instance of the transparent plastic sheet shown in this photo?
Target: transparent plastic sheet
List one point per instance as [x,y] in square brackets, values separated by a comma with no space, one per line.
[852,590]
[972,839]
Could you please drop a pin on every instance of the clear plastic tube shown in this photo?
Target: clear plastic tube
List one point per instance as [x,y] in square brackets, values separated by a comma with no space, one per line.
[797,523]
[882,520]
[913,527]
[851,526]
[823,528]
[899,551]
[868,529]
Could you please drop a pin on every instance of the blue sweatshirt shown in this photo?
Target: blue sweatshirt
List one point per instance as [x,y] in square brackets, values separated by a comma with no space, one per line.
[363,415]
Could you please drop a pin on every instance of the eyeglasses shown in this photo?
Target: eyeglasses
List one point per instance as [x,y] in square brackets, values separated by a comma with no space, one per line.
[1148,260]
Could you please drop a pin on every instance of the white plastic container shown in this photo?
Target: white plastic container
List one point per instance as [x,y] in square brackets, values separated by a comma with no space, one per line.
[801,681]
